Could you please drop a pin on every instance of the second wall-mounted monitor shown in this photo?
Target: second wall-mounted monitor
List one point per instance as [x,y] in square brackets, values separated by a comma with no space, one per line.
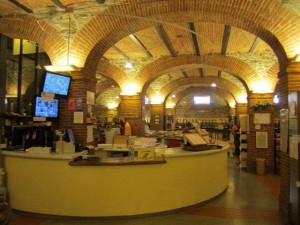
[55,83]
[46,109]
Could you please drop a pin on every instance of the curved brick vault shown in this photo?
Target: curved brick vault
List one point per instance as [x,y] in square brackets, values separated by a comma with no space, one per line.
[190,11]
[115,23]
[201,81]
[231,65]
[200,90]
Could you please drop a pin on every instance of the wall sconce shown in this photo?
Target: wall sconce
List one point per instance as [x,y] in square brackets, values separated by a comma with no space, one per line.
[276,99]
[170,105]
[63,68]
[112,105]
[130,89]
[157,100]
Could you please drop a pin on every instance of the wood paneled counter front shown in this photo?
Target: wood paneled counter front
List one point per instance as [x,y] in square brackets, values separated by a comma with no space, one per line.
[49,185]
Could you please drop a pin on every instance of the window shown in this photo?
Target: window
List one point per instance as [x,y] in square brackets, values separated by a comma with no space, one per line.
[201,100]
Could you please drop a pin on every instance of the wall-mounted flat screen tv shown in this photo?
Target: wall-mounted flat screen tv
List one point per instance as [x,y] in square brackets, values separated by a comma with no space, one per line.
[47,109]
[55,83]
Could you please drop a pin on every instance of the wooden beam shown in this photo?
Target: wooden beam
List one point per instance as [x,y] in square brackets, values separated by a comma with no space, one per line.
[196,45]
[140,44]
[163,35]
[226,37]
[26,9]
[255,43]
[121,52]
[201,72]
[184,74]
[58,3]
[194,38]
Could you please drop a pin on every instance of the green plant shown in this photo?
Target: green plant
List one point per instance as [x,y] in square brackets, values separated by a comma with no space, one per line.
[261,106]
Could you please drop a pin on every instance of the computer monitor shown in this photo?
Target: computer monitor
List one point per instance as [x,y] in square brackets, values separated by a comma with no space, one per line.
[47,109]
[55,83]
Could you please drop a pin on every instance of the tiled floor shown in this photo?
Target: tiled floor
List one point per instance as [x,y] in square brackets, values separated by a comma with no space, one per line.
[249,199]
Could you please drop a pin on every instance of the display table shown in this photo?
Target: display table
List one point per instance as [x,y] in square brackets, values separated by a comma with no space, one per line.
[49,185]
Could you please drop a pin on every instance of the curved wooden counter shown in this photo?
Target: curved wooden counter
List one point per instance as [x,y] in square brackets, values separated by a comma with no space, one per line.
[51,186]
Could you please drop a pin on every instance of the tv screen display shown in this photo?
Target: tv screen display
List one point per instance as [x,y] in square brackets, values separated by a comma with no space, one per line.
[48,109]
[57,84]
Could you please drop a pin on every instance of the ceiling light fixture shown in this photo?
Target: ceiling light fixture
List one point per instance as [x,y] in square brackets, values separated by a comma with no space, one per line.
[128,65]
[67,67]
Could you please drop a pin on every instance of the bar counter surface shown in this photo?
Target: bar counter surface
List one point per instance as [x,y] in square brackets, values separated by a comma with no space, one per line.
[50,185]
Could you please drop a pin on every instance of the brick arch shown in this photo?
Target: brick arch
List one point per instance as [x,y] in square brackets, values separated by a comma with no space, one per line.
[221,83]
[104,86]
[224,93]
[28,27]
[112,72]
[101,31]
[231,65]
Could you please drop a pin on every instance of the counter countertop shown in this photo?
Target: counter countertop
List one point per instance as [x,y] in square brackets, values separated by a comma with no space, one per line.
[111,161]
[41,155]
[165,152]
[179,152]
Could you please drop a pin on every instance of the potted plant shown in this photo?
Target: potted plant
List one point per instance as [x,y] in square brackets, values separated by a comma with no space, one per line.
[262,105]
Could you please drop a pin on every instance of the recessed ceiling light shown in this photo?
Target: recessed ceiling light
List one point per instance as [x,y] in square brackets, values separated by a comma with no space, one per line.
[129,65]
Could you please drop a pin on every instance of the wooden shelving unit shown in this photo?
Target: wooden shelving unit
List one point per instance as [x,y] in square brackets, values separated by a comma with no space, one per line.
[244,120]
[243,148]
[277,148]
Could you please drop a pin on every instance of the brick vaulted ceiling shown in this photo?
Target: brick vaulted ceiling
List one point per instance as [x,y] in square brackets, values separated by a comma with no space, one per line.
[176,46]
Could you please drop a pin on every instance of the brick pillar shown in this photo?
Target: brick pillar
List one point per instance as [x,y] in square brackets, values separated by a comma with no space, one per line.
[78,90]
[241,108]
[232,111]
[131,110]
[253,152]
[289,83]
[157,117]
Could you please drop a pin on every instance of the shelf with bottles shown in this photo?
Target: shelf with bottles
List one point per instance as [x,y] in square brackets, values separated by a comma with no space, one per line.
[21,137]
[277,145]
[206,123]
[16,119]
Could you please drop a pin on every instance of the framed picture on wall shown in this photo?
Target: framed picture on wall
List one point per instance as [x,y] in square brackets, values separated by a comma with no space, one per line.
[262,139]
[262,118]
[90,98]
